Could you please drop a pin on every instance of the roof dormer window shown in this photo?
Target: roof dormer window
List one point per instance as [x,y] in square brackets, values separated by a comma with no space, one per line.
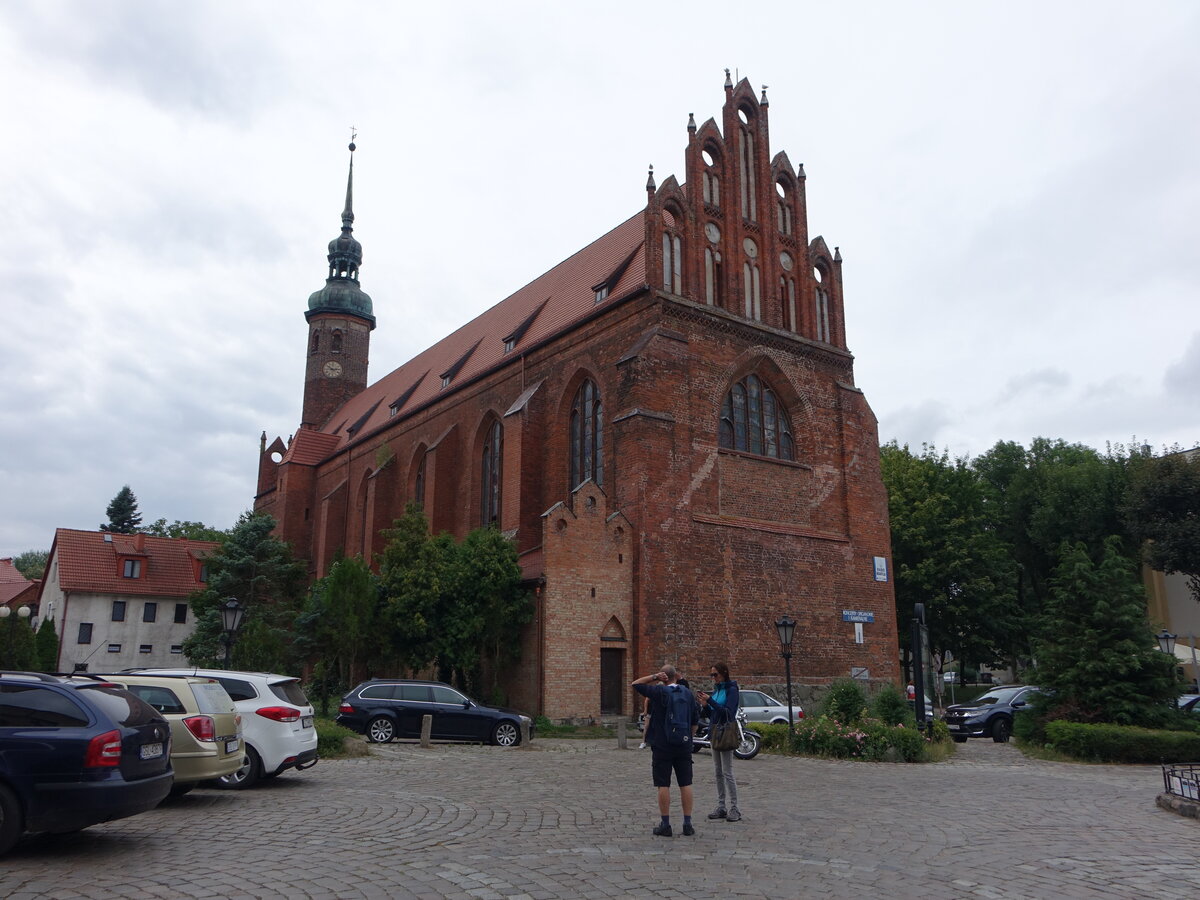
[133,568]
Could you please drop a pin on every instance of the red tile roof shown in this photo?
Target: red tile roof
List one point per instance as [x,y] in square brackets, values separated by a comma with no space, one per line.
[561,297]
[12,582]
[87,562]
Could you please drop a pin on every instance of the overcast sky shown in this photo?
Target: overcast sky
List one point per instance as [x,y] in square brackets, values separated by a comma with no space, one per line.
[1014,187]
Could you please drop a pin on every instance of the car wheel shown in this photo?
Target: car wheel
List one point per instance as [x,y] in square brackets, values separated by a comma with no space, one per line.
[11,821]
[1001,729]
[779,721]
[381,730]
[959,738]
[506,734]
[247,775]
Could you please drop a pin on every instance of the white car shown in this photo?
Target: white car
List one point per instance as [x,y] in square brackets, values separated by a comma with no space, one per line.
[277,722]
[760,707]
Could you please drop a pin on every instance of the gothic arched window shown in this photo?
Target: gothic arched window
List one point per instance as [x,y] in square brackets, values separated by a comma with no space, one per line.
[587,436]
[491,470]
[821,303]
[336,343]
[753,420]
[747,165]
[316,342]
[419,483]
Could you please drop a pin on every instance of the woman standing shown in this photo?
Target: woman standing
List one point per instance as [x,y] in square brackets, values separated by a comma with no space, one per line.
[722,705]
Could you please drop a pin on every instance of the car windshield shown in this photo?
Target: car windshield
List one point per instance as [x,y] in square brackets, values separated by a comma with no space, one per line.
[999,695]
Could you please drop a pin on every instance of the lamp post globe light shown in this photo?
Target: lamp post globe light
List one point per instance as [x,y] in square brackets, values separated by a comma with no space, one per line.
[1166,641]
[786,627]
[231,620]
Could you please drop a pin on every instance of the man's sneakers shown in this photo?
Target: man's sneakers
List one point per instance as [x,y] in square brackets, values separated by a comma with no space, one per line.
[663,830]
[733,815]
[688,830]
[718,813]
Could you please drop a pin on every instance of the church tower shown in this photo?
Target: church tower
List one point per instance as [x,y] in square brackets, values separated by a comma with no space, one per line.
[340,320]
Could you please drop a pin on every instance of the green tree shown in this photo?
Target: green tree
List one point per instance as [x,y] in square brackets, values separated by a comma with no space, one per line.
[1097,654]
[413,573]
[32,563]
[47,646]
[123,515]
[339,625]
[1041,497]
[257,569]
[196,531]
[947,554]
[17,647]
[1162,509]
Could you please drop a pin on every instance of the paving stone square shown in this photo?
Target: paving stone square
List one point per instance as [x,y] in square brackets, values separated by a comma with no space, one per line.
[573,819]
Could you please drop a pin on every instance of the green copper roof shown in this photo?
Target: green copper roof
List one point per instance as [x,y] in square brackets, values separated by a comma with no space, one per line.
[341,293]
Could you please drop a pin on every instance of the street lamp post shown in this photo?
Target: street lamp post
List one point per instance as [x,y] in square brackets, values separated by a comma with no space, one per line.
[786,627]
[1166,642]
[231,621]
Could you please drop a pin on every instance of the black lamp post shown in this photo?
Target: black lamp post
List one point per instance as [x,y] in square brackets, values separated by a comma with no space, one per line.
[786,627]
[1166,642]
[231,621]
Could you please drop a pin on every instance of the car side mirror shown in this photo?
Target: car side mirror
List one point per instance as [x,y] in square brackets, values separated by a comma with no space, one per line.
[466,704]
[1018,703]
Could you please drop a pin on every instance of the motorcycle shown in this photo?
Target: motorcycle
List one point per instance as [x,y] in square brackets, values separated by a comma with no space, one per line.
[747,749]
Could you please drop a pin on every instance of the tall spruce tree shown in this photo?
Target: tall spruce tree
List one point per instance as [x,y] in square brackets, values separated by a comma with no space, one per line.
[123,515]
[1097,654]
[46,640]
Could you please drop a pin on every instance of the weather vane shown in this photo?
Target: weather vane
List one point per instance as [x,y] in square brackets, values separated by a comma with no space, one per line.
[353,137]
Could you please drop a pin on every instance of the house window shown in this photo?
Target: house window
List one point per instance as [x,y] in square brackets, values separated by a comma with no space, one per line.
[587,436]
[150,612]
[133,568]
[491,472]
[753,420]
[180,613]
[509,346]
[177,648]
[446,380]
[85,633]
[204,572]
[145,648]
[114,648]
[118,611]
[602,293]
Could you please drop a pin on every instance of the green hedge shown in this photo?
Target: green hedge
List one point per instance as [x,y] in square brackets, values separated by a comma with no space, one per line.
[1122,743]
[868,739]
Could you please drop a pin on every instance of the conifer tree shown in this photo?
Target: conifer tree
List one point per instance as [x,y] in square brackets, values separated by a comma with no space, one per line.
[46,641]
[123,515]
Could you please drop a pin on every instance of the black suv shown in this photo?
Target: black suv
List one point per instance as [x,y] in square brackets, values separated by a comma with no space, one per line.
[989,714]
[74,754]
[385,708]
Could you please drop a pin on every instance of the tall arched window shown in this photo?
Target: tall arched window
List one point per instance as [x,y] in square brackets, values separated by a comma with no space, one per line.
[419,483]
[713,279]
[783,207]
[316,341]
[672,260]
[821,302]
[491,472]
[336,345]
[754,421]
[747,167]
[587,436]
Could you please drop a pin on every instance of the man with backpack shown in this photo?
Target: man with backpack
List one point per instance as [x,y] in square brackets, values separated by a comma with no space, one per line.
[673,718]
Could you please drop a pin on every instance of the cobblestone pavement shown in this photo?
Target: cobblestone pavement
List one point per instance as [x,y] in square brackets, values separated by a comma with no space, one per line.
[573,819]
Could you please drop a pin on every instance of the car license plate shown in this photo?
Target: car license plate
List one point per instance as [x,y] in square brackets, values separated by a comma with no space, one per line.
[231,746]
[306,722]
[151,751]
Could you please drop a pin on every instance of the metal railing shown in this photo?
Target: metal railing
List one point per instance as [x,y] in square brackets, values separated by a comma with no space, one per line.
[1182,781]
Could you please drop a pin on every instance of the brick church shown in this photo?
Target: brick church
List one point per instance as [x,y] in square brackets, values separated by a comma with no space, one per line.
[666,423]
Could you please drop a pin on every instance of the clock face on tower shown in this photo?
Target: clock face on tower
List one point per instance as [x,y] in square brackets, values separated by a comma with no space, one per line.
[333,369]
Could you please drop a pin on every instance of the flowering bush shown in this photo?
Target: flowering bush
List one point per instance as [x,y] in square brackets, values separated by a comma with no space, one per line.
[868,739]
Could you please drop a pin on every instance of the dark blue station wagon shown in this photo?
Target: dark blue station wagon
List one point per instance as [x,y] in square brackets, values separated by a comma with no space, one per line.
[74,754]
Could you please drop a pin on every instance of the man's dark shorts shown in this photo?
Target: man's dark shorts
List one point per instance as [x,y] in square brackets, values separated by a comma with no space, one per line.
[677,759]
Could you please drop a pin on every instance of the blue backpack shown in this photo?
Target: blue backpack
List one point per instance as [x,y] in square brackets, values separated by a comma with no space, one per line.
[677,726]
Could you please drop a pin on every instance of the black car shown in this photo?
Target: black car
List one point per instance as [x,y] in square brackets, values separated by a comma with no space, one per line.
[74,754]
[989,714]
[384,709]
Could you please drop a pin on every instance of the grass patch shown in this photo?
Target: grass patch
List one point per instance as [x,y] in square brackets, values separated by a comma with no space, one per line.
[544,728]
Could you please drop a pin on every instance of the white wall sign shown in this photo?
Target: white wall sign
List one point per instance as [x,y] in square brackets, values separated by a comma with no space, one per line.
[881,568]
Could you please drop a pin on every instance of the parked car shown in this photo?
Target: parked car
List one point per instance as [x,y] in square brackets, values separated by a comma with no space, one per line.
[760,707]
[277,722]
[990,713]
[384,709]
[75,754]
[206,730]
[1190,703]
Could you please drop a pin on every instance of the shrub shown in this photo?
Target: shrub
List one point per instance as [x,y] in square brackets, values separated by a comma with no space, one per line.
[940,732]
[844,702]
[889,706]
[1122,743]
[870,739]
[331,738]
[774,737]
